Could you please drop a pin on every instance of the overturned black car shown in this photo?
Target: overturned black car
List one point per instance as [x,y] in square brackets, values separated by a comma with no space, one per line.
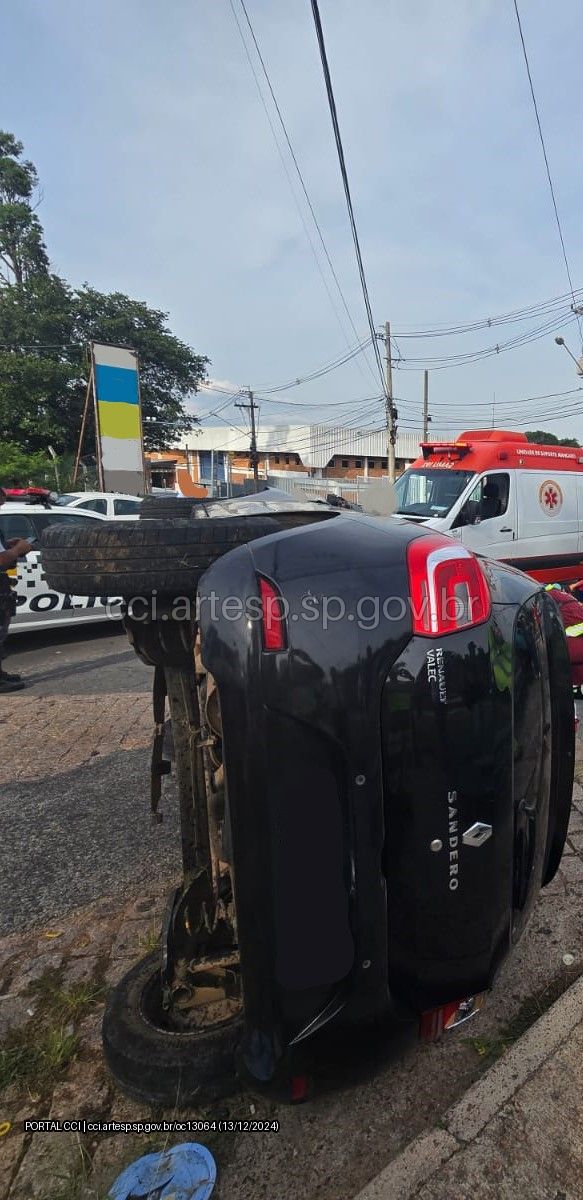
[374,743]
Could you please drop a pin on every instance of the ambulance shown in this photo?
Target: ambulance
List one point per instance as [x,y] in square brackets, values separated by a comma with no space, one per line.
[503,497]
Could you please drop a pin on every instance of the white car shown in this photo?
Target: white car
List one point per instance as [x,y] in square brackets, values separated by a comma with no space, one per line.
[114,505]
[37,605]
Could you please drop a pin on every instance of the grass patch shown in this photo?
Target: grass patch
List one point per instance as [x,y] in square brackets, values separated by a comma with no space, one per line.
[69,1186]
[36,1062]
[150,941]
[533,1007]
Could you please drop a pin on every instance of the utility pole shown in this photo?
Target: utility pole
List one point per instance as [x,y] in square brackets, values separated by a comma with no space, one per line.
[391,412]
[426,417]
[252,408]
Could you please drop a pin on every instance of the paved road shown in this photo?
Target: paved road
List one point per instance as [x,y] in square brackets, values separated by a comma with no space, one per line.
[74,770]
[87,660]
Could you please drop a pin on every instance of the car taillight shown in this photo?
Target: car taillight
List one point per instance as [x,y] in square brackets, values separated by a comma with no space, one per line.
[273,623]
[447,585]
[437,1020]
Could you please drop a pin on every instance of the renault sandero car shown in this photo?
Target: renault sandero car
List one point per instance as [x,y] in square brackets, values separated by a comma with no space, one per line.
[374,743]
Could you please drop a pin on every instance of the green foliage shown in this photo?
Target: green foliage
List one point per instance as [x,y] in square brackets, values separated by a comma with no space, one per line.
[540,437]
[22,250]
[45,328]
[18,469]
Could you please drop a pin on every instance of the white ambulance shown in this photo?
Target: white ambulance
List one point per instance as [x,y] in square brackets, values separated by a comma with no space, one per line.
[504,497]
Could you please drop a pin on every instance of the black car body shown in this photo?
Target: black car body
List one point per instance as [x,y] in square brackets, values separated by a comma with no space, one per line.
[395,796]
[374,746]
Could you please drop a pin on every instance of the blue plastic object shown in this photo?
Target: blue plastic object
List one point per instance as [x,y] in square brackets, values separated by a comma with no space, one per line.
[184,1172]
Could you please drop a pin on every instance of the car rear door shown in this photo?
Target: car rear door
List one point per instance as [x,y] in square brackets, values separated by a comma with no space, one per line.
[37,605]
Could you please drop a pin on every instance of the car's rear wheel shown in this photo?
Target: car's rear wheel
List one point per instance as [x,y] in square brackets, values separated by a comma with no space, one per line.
[142,558]
[158,1064]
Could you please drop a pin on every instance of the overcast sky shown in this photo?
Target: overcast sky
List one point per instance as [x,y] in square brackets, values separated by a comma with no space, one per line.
[161,179]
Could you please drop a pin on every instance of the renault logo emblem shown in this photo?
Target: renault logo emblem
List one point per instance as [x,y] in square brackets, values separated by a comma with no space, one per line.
[477,834]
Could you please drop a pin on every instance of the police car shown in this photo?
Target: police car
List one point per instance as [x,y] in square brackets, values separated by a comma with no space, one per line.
[117,506]
[37,605]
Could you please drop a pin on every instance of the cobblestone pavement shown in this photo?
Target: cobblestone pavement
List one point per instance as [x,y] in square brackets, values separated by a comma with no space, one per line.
[74,773]
[48,735]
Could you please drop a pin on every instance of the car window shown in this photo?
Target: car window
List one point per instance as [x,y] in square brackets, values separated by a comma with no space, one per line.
[489,499]
[66,498]
[99,506]
[43,520]
[430,493]
[125,507]
[16,525]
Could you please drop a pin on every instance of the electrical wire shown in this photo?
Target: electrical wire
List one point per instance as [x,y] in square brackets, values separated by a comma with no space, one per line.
[297,167]
[548,169]
[344,174]
[288,176]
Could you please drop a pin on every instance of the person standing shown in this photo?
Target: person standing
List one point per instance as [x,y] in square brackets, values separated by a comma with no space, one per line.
[10,552]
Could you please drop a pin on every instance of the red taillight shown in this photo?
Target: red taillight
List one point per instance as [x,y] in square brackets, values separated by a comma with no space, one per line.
[448,587]
[273,623]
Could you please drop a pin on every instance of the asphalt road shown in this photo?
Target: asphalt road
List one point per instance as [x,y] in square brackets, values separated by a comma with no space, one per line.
[71,837]
[88,660]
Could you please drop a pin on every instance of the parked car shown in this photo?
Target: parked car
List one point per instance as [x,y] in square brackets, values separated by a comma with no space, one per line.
[374,740]
[38,606]
[108,504]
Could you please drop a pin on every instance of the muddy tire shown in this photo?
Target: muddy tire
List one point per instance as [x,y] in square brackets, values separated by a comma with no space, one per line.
[132,559]
[158,1066]
[162,508]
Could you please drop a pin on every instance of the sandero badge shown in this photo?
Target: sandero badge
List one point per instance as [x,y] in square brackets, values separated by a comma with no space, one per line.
[368,808]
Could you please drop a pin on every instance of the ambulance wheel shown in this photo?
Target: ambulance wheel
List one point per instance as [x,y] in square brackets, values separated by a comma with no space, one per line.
[158,1065]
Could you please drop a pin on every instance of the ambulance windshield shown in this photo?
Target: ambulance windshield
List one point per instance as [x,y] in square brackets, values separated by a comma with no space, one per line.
[430,493]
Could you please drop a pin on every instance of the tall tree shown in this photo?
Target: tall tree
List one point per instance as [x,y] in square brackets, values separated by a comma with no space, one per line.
[45,328]
[22,249]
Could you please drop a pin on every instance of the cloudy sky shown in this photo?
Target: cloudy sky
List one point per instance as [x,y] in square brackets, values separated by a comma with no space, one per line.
[161,178]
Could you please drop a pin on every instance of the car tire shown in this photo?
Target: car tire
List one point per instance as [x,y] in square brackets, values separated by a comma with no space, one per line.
[161,643]
[159,507]
[136,558]
[161,1066]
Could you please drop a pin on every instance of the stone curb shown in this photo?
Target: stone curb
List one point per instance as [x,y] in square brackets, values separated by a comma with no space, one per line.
[423,1157]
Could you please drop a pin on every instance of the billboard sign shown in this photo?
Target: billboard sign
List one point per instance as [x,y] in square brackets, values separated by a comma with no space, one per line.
[118,419]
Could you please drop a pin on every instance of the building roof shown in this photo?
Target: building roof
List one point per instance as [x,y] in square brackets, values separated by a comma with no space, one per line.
[315,444]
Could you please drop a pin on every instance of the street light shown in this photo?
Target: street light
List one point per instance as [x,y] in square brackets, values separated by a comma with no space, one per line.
[578,361]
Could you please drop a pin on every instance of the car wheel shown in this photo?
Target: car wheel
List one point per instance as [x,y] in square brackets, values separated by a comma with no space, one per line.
[158,1065]
[141,558]
[161,643]
[172,506]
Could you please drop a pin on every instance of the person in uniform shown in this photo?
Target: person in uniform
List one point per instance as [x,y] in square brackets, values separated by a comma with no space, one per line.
[10,552]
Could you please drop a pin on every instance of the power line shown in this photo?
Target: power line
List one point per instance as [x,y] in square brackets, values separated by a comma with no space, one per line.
[548,169]
[288,176]
[297,167]
[344,174]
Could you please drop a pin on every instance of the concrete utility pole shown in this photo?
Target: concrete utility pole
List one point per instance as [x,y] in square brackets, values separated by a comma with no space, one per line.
[252,408]
[426,417]
[391,411]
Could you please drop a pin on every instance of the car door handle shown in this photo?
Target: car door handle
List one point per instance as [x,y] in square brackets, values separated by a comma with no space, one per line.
[506,529]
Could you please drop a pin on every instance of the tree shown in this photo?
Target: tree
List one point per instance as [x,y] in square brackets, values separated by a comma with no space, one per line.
[540,437]
[45,328]
[22,249]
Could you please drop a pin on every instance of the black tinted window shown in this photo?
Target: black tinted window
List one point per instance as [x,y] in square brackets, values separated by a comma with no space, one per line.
[16,525]
[125,508]
[99,506]
[43,520]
